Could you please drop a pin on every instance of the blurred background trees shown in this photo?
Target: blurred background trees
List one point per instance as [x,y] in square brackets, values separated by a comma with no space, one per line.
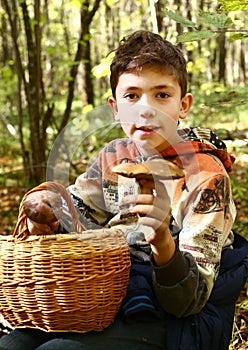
[53,60]
[54,73]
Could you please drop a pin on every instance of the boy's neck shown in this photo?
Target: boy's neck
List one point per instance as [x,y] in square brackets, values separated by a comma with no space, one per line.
[147,151]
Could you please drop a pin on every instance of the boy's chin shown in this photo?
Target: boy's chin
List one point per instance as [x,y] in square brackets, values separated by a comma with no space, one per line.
[150,148]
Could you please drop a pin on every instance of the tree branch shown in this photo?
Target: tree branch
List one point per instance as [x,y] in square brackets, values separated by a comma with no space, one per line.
[86,18]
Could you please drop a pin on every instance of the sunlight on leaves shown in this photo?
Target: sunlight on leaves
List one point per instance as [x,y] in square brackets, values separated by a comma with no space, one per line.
[199,35]
[219,20]
[179,19]
[233,5]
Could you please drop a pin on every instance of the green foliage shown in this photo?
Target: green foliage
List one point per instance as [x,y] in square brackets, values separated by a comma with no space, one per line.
[103,68]
[238,36]
[239,182]
[215,21]
[233,5]
[179,19]
[8,80]
[216,106]
[195,36]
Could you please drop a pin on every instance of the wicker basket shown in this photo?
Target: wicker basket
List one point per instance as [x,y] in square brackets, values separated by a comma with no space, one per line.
[63,282]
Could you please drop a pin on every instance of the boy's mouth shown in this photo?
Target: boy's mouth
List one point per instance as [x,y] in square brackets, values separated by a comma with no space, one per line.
[147,128]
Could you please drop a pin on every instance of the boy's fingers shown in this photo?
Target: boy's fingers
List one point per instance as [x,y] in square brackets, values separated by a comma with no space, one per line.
[140,199]
[38,229]
[54,225]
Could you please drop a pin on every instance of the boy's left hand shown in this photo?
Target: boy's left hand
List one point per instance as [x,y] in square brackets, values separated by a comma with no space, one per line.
[154,211]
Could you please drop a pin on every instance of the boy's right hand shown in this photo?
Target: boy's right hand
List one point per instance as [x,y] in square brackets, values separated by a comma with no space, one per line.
[39,229]
[43,210]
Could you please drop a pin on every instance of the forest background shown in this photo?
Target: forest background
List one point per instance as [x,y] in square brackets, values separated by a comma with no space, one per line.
[54,71]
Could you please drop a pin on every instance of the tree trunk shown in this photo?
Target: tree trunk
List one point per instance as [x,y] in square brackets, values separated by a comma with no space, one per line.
[83,52]
[86,57]
[33,94]
[5,48]
[159,5]
[35,159]
[86,19]
[243,62]
[222,57]
[190,53]
[179,27]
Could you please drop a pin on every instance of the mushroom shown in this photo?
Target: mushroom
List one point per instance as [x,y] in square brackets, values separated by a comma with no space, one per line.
[156,168]
[43,207]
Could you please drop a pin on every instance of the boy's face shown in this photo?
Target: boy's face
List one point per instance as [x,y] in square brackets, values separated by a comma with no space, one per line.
[148,105]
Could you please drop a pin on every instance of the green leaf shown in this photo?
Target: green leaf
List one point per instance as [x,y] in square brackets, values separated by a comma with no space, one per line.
[179,19]
[238,36]
[77,3]
[228,22]
[195,36]
[110,3]
[219,20]
[103,68]
[233,5]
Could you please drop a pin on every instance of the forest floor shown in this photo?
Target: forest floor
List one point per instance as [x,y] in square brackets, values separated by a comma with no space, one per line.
[12,190]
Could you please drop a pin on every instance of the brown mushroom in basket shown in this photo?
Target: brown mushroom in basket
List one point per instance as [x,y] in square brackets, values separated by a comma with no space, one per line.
[43,207]
[157,168]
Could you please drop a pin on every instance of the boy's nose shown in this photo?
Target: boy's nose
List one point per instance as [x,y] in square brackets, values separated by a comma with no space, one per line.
[146,111]
[145,107]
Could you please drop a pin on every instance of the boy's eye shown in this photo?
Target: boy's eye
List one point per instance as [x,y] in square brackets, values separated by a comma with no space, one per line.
[130,96]
[162,95]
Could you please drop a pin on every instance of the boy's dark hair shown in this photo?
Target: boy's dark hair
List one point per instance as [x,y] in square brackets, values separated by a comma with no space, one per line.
[142,48]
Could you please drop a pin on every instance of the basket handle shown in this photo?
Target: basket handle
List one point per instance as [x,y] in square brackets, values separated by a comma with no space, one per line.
[21,231]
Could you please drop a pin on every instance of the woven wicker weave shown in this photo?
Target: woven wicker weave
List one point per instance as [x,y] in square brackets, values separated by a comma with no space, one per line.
[63,282]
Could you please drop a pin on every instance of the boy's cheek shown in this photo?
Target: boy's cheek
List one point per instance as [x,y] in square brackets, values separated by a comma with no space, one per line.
[125,113]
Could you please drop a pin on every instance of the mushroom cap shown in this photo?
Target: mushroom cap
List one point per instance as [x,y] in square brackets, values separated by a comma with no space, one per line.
[157,167]
[43,208]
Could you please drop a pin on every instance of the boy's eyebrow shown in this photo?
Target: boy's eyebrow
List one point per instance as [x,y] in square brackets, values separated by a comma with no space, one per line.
[164,86]
[156,87]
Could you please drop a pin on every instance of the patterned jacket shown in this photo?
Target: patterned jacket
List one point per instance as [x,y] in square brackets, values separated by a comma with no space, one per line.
[202,214]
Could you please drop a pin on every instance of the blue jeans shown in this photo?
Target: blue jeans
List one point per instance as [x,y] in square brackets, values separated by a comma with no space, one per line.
[118,336]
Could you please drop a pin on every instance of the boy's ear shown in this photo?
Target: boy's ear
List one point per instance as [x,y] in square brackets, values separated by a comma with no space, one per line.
[113,106]
[186,103]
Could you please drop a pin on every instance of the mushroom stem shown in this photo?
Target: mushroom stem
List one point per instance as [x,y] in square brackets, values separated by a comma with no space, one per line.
[144,189]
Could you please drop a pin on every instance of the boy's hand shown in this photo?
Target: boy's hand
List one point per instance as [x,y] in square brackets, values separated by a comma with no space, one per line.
[39,229]
[154,211]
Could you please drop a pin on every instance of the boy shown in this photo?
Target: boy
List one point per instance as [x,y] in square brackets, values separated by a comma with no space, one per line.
[180,295]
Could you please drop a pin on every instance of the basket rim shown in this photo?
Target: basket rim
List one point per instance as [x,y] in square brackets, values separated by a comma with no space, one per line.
[80,236]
